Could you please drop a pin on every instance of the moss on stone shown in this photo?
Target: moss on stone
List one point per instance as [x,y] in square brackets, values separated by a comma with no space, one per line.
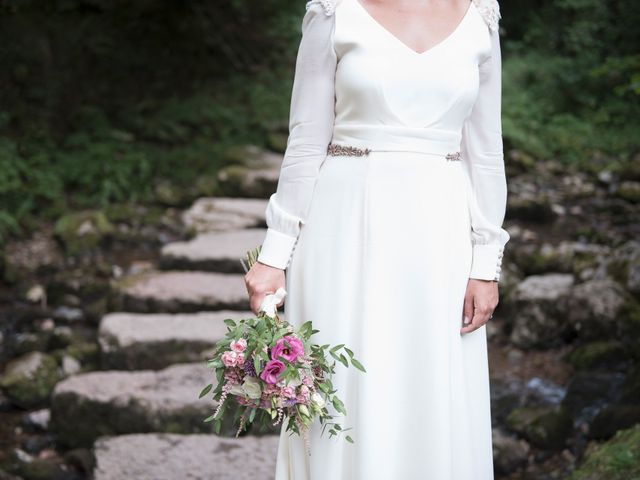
[31,385]
[593,354]
[616,459]
[544,427]
[82,230]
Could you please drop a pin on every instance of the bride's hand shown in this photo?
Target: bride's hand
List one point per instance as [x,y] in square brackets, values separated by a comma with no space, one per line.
[261,280]
[480,301]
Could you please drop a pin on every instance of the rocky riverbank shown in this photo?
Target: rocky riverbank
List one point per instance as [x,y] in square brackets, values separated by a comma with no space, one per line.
[107,317]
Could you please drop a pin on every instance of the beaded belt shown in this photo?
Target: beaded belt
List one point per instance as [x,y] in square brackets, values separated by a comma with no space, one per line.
[351,151]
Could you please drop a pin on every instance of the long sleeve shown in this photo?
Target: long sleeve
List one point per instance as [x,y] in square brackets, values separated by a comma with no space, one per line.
[311,119]
[483,159]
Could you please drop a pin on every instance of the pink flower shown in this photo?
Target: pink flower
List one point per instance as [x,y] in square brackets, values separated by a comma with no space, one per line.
[272,371]
[289,392]
[240,359]
[271,390]
[239,345]
[308,381]
[291,353]
[304,390]
[230,359]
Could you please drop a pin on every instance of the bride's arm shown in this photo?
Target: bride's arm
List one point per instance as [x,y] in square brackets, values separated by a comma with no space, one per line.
[311,121]
[483,158]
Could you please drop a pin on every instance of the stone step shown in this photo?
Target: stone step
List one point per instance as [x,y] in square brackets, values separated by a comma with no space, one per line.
[136,341]
[196,457]
[88,405]
[212,251]
[225,213]
[180,292]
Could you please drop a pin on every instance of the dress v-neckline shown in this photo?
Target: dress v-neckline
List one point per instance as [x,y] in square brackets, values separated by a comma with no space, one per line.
[404,45]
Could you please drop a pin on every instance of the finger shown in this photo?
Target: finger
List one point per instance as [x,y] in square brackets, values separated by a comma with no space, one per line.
[256,301]
[480,317]
[467,313]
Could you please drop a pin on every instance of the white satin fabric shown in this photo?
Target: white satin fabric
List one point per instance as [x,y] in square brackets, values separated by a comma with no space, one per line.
[379,248]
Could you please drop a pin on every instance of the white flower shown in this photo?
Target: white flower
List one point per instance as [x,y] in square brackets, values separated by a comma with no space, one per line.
[251,388]
[236,390]
[317,400]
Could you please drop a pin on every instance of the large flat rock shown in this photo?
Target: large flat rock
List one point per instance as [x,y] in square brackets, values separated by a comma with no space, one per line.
[212,251]
[136,341]
[225,213]
[193,457]
[181,291]
[88,405]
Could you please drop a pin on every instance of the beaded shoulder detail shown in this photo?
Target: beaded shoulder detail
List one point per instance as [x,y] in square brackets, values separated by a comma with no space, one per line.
[490,11]
[329,6]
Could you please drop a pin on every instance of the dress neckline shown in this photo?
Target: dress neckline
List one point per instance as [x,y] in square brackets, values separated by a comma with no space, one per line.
[385,30]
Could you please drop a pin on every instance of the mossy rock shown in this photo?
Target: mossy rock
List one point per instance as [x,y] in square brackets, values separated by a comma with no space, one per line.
[83,231]
[616,459]
[537,210]
[597,354]
[544,427]
[206,186]
[87,353]
[29,379]
[135,214]
[171,195]
[613,418]
[32,469]
[242,154]
[629,191]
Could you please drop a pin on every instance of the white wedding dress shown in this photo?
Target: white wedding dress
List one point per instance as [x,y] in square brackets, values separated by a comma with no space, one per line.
[379,244]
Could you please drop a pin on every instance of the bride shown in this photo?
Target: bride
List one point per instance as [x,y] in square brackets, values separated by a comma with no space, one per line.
[387,221]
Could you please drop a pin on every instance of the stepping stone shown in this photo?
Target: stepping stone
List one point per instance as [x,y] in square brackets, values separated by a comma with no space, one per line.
[88,405]
[225,213]
[136,341]
[180,292]
[193,457]
[213,251]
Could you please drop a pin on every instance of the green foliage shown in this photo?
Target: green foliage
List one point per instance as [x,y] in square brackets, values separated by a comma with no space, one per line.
[616,459]
[571,78]
[102,100]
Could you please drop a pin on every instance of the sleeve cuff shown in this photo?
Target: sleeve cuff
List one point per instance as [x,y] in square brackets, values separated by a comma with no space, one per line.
[487,261]
[277,249]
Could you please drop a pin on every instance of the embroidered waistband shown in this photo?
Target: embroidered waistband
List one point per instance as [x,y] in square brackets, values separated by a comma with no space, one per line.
[351,151]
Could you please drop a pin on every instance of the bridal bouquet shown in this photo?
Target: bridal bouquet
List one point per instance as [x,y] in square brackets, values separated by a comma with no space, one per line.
[266,369]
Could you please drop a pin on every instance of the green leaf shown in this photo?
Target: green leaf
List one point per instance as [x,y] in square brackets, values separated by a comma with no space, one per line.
[357,364]
[230,322]
[344,360]
[205,390]
[338,405]
[337,347]
[348,439]
[256,364]
[349,351]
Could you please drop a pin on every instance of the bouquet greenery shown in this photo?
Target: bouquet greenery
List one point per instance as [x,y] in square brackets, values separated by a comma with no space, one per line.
[266,370]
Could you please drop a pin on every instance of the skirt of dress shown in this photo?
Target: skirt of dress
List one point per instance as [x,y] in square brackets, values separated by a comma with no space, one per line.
[381,265]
